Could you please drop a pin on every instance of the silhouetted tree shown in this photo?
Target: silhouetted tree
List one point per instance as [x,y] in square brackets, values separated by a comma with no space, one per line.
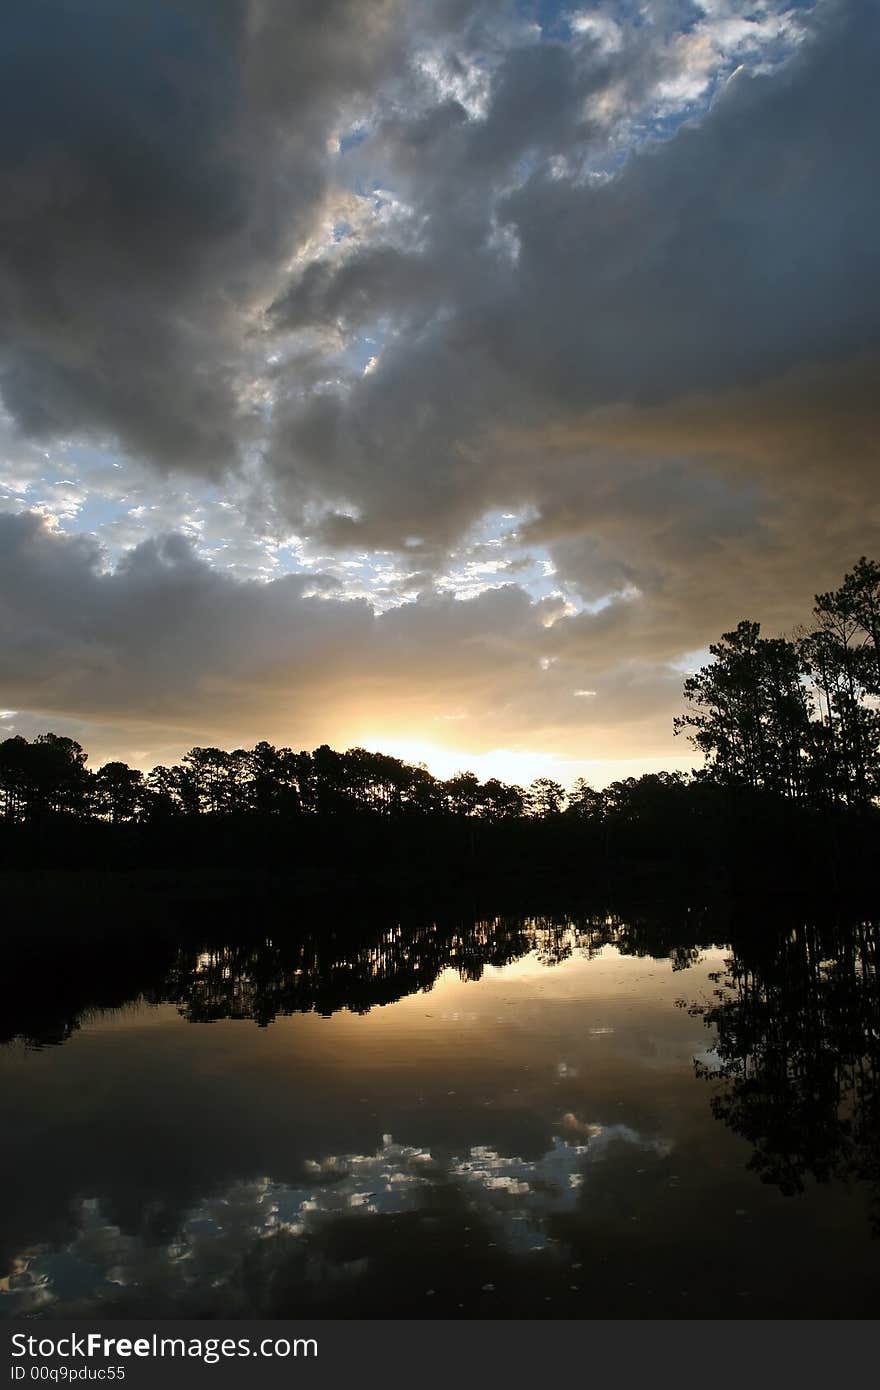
[750,712]
[47,775]
[500,801]
[118,791]
[842,659]
[545,797]
[585,803]
[796,718]
[462,793]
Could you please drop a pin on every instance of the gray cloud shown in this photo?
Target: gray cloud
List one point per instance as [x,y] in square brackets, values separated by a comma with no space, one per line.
[158,164]
[743,247]
[164,647]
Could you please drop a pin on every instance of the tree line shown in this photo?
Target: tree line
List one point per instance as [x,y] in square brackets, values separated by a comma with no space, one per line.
[797,717]
[48,776]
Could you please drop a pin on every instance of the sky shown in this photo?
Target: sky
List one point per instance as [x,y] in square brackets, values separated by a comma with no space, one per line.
[440,376]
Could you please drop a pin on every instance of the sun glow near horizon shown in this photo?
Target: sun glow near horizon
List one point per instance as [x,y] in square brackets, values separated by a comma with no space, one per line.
[519,766]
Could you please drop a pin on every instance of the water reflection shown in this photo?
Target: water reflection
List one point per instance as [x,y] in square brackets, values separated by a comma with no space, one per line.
[796,1022]
[551,1152]
[321,968]
[511,1198]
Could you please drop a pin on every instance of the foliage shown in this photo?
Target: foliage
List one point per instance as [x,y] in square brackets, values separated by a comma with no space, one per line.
[796,716]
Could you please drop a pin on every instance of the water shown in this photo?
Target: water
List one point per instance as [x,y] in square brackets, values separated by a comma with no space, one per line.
[497,1120]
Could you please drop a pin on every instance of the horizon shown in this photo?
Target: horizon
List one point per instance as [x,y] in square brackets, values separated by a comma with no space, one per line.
[507,765]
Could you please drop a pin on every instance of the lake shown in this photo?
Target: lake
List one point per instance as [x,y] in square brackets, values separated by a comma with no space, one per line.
[532,1117]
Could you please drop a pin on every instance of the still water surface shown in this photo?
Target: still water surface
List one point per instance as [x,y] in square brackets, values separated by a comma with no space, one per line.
[539,1141]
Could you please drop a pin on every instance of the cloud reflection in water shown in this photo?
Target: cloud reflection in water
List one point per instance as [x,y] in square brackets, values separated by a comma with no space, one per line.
[513,1196]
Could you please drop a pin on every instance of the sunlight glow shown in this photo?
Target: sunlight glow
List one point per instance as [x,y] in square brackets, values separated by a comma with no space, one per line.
[520,766]
[505,763]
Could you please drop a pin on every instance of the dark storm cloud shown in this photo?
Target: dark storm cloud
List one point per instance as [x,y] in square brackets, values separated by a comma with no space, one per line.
[157,164]
[743,247]
[161,164]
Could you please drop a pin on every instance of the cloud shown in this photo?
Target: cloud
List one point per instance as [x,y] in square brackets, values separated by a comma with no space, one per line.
[164,651]
[159,165]
[740,250]
[518,1200]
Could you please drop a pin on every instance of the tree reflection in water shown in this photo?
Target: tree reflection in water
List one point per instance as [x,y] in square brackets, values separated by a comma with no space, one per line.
[796,1019]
